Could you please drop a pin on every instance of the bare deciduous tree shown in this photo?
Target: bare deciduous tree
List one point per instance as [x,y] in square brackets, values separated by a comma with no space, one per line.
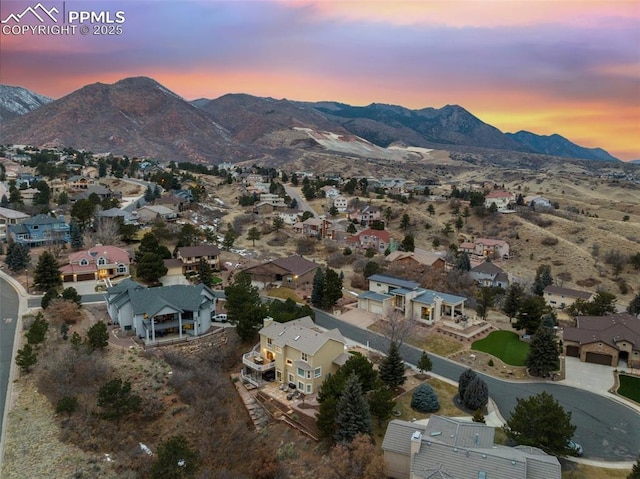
[107,232]
[395,327]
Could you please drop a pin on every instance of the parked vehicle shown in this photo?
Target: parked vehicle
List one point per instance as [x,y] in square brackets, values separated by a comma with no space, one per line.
[575,447]
[222,318]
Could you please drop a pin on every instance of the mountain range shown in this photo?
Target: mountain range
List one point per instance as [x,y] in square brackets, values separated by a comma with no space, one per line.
[140,117]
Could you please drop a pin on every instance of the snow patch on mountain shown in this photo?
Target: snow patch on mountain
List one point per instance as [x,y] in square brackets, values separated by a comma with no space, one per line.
[16,101]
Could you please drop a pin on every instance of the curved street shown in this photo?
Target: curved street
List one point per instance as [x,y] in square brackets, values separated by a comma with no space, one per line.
[9,304]
[606,429]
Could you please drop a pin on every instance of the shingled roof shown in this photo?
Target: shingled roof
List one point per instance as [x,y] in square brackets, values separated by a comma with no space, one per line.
[300,333]
[296,264]
[607,329]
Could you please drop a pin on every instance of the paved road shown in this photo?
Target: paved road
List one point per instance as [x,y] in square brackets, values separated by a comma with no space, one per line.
[606,429]
[302,204]
[8,320]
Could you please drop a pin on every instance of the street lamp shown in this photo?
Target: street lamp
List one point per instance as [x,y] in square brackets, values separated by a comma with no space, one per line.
[26,272]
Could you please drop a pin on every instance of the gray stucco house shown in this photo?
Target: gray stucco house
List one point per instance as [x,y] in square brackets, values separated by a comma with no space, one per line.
[152,313]
[454,449]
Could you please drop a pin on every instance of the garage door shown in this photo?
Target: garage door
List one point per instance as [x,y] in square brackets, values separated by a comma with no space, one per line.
[598,358]
[573,351]
[86,277]
[67,278]
[375,308]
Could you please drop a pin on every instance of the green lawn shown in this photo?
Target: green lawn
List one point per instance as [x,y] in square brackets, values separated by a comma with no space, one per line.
[629,387]
[505,345]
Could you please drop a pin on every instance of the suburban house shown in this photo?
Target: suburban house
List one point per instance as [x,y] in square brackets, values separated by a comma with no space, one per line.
[418,257]
[80,182]
[40,230]
[377,240]
[485,247]
[148,213]
[172,202]
[487,274]
[289,216]
[448,448]
[190,257]
[291,272]
[296,353]
[155,312]
[501,199]
[118,214]
[559,298]
[9,217]
[365,216]
[330,191]
[102,192]
[340,203]
[274,200]
[605,339]
[536,201]
[388,294]
[315,228]
[28,194]
[99,262]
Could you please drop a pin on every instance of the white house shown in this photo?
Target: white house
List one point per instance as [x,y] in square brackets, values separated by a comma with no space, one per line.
[500,198]
[387,294]
[340,203]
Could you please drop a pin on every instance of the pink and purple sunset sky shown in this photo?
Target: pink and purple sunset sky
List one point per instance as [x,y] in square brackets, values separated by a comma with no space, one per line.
[566,66]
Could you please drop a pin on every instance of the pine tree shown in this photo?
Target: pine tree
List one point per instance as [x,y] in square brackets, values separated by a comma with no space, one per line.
[244,307]
[116,399]
[253,234]
[511,304]
[205,273]
[75,233]
[332,288]
[542,280]
[391,368]
[151,268]
[463,263]
[476,394]
[98,336]
[540,421]
[4,201]
[424,363]
[352,412]
[463,382]
[37,332]
[424,399]
[408,243]
[635,472]
[317,292]
[543,357]
[405,221]
[18,257]
[26,358]
[47,273]
[381,403]
[175,459]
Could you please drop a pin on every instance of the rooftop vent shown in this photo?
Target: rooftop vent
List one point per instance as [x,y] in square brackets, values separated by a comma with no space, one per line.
[296,338]
[436,433]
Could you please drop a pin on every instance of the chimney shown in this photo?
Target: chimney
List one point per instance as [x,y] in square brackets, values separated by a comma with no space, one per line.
[267,321]
[416,440]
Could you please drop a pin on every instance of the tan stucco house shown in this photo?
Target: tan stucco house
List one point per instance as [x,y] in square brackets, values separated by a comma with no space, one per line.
[296,353]
[559,298]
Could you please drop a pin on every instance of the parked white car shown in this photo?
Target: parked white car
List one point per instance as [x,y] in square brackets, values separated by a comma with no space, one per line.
[221,318]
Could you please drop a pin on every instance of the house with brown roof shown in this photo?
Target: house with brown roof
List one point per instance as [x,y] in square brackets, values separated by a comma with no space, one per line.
[296,353]
[96,263]
[487,274]
[190,257]
[559,298]
[366,215]
[448,448]
[418,257]
[175,203]
[377,240]
[485,247]
[605,339]
[291,272]
[9,217]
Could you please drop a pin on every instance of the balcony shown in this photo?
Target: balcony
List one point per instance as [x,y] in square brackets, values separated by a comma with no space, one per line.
[255,361]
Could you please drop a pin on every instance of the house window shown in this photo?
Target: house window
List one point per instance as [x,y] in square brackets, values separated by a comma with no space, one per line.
[122,268]
[317,372]
[35,227]
[289,362]
[269,343]
[291,378]
[301,372]
[308,388]
[300,386]
[83,262]
[304,357]
[101,261]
